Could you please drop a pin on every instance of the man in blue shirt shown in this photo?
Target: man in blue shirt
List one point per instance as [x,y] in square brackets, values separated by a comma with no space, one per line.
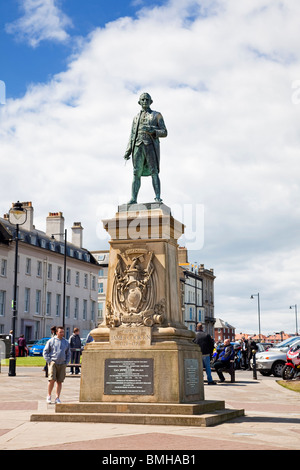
[57,355]
[224,358]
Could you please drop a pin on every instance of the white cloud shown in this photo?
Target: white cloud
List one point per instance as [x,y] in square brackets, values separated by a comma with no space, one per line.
[42,21]
[221,73]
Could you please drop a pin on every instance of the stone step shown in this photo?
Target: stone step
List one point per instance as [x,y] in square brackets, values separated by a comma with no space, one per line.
[204,406]
[203,420]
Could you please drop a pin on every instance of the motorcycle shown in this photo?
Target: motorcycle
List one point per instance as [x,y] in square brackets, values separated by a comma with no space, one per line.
[291,369]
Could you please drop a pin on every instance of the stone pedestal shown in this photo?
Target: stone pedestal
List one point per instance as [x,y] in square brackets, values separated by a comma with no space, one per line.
[137,366]
[143,367]
[142,352]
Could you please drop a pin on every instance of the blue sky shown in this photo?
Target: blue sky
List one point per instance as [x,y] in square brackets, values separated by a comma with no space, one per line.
[22,64]
[225,74]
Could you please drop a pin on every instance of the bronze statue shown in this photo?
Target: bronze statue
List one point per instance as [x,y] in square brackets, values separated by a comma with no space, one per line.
[147,127]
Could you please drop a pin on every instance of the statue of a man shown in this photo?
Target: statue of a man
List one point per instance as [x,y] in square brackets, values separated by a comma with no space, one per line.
[143,145]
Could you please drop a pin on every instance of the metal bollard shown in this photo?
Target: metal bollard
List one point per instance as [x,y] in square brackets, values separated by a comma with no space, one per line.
[254,365]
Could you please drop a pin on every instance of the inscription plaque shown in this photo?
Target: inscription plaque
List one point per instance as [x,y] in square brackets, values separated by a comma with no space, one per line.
[128,377]
[191,376]
[130,338]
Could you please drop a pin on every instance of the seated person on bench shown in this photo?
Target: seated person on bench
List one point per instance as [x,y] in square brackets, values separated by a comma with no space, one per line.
[223,361]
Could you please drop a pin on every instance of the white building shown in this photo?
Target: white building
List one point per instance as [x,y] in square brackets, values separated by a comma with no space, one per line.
[193,312]
[102,257]
[197,285]
[40,285]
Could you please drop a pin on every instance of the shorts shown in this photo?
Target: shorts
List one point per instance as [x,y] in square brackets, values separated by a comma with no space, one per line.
[56,372]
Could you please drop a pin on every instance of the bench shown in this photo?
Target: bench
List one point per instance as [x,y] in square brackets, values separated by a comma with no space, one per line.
[230,370]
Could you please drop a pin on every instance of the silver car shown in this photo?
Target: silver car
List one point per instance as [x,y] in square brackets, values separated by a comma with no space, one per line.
[272,361]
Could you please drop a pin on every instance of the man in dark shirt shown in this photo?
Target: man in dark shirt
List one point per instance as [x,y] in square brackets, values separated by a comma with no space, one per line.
[206,343]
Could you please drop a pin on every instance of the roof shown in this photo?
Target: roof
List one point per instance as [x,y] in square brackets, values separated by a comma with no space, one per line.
[223,324]
[41,240]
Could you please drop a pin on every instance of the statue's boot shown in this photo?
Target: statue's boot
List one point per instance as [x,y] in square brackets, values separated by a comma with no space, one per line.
[156,187]
[135,190]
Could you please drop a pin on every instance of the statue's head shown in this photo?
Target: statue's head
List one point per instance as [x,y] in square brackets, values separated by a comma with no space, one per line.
[145,98]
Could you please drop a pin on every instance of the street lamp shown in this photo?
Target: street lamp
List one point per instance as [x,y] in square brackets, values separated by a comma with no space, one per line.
[258,308]
[65,274]
[295,307]
[17,217]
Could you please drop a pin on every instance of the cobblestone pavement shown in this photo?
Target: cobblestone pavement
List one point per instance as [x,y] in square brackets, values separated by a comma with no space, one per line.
[271,421]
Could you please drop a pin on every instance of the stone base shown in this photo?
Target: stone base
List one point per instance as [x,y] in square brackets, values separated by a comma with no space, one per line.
[204,413]
[138,366]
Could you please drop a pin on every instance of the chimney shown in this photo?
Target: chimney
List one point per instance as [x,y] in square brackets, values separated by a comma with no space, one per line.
[29,213]
[55,224]
[182,255]
[77,232]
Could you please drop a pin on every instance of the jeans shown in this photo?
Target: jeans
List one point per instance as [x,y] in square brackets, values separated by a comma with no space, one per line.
[206,365]
[75,359]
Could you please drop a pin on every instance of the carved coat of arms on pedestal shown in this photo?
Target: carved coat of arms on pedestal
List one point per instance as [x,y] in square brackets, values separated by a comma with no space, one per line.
[134,293]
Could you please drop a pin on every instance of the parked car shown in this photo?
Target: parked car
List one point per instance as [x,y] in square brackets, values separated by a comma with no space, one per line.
[267,346]
[38,347]
[273,360]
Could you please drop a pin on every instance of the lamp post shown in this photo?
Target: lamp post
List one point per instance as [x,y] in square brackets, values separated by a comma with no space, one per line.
[258,309]
[295,307]
[17,217]
[65,274]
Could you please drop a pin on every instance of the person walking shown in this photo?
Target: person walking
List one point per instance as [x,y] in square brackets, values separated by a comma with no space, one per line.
[22,346]
[244,346]
[206,344]
[75,348]
[57,355]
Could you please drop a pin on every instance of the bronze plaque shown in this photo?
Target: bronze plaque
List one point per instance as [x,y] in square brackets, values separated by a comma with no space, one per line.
[128,377]
[191,376]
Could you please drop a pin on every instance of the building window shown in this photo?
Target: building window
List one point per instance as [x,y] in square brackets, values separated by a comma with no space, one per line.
[3,267]
[59,273]
[39,269]
[68,280]
[76,308]
[93,310]
[94,283]
[100,310]
[27,300]
[199,315]
[48,303]
[2,302]
[100,288]
[84,309]
[77,278]
[85,281]
[28,266]
[38,302]
[58,302]
[49,271]
[68,306]
[101,273]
